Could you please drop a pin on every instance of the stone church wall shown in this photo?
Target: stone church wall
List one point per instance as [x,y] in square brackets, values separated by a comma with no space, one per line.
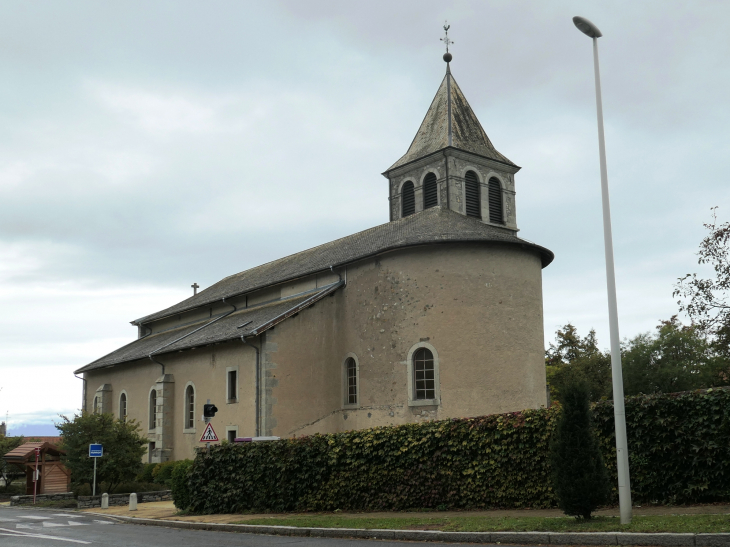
[477,307]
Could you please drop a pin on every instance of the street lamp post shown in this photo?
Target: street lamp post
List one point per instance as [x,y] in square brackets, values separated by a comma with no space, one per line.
[622,453]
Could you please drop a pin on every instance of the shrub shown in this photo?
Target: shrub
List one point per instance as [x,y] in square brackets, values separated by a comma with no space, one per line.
[146,474]
[162,473]
[579,476]
[180,484]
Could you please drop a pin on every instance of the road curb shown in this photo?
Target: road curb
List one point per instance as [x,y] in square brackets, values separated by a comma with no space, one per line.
[514,538]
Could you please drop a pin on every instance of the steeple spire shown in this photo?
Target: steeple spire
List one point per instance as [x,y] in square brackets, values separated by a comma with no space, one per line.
[447,57]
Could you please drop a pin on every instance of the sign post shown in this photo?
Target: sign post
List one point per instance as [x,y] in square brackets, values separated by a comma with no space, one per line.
[35,472]
[95,451]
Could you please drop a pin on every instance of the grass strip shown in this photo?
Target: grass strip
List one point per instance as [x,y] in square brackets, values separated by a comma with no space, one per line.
[672,523]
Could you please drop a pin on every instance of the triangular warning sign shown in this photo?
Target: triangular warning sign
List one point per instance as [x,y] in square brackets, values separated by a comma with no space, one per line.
[209,435]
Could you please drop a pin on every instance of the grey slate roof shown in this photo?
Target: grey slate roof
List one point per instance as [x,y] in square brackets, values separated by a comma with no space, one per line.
[225,328]
[466,131]
[435,225]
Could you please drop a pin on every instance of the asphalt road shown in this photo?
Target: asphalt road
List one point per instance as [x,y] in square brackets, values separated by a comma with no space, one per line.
[25,527]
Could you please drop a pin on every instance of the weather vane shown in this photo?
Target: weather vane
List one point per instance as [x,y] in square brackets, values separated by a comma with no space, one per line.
[446,40]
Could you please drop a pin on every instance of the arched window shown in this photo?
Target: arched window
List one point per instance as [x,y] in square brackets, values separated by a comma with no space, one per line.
[190,407]
[350,381]
[424,380]
[153,409]
[408,195]
[123,407]
[430,191]
[95,407]
[471,195]
[495,201]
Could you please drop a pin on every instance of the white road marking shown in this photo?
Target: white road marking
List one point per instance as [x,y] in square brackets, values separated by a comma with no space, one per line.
[67,515]
[77,523]
[15,533]
[28,526]
[53,524]
[33,517]
[7,520]
[103,522]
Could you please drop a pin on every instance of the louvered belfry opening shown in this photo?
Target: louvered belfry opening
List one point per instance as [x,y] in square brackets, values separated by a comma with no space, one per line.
[496,214]
[430,191]
[408,194]
[471,195]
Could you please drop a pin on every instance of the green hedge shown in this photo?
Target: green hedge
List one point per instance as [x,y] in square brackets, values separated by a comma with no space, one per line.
[180,484]
[679,447]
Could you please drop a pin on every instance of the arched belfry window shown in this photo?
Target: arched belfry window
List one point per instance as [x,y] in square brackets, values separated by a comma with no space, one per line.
[471,195]
[408,195]
[496,215]
[424,379]
[430,191]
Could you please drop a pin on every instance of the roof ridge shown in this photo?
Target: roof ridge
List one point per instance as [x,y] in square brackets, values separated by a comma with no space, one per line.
[433,225]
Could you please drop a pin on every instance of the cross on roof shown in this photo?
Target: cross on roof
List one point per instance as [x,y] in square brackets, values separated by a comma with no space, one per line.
[446,40]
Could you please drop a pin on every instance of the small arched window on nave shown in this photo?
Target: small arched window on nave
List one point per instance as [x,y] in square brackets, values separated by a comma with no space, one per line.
[408,195]
[123,407]
[424,375]
[351,381]
[472,197]
[430,191]
[189,407]
[496,214]
[153,409]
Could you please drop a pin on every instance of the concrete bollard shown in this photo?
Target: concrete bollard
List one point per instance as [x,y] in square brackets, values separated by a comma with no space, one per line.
[132,502]
[105,501]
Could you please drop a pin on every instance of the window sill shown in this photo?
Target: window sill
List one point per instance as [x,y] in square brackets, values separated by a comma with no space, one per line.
[424,402]
[231,401]
[351,407]
[190,431]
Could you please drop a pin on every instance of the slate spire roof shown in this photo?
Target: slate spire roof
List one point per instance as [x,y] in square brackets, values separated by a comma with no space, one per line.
[450,122]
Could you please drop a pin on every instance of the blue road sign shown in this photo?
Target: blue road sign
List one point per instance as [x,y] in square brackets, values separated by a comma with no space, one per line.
[96,451]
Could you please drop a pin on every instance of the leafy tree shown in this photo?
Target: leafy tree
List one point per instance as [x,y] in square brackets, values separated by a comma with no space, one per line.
[707,300]
[677,358]
[8,472]
[579,476]
[574,359]
[123,444]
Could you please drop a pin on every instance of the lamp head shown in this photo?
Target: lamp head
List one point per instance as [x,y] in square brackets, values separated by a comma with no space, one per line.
[586,27]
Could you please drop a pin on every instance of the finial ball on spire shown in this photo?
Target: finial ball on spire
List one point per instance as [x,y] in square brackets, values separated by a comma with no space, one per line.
[448,57]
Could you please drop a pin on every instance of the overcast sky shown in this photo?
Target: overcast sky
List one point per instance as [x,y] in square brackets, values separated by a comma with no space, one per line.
[149,145]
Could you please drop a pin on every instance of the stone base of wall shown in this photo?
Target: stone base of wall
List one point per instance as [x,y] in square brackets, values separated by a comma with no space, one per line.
[115,500]
[28,500]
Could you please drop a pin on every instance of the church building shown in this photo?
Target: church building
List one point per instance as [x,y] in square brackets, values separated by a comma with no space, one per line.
[436,314]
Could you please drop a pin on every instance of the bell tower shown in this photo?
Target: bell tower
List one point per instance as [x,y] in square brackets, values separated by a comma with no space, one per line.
[452,163]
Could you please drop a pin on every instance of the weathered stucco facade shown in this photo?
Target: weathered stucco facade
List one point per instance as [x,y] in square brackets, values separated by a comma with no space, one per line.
[327,340]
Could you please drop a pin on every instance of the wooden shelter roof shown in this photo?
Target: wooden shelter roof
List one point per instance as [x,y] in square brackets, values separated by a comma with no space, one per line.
[26,452]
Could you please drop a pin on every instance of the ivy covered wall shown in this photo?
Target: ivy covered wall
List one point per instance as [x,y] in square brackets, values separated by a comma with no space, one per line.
[679,446]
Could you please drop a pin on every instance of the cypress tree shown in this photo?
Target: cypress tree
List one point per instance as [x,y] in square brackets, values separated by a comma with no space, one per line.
[579,476]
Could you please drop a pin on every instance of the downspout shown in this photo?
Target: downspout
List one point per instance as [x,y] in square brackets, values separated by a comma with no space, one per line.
[151,355]
[258,389]
[83,393]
